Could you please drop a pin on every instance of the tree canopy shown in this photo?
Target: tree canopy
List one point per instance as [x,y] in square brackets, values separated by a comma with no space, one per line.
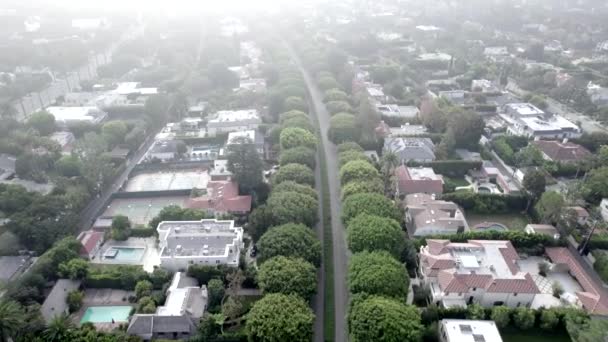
[293,186]
[297,137]
[290,240]
[298,155]
[298,173]
[384,320]
[43,122]
[377,273]
[357,170]
[362,186]
[288,276]
[343,127]
[245,163]
[367,203]
[373,233]
[293,207]
[279,317]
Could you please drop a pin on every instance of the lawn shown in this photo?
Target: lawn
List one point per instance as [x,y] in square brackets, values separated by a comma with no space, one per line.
[457,181]
[514,221]
[535,335]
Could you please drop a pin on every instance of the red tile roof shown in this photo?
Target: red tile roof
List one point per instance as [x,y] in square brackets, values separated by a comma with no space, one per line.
[559,151]
[526,285]
[89,240]
[437,247]
[222,196]
[595,297]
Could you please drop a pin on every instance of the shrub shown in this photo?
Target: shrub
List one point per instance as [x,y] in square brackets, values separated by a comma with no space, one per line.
[501,315]
[558,290]
[548,320]
[524,318]
[487,203]
[475,312]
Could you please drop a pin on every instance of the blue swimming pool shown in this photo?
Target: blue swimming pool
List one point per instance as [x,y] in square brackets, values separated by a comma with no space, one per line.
[126,254]
[105,314]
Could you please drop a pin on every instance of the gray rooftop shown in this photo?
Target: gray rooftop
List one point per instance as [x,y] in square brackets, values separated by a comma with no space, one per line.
[417,149]
[148,324]
[205,237]
[55,304]
[9,265]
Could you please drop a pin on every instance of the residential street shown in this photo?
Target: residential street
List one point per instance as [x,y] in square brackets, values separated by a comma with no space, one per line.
[340,251]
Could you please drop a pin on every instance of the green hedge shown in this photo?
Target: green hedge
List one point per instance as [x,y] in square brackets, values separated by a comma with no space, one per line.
[487,203]
[598,242]
[518,238]
[143,232]
[115,277]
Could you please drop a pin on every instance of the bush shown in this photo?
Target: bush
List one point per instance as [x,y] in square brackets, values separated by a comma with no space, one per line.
[524,318]
[476,312]
[451,168]
[298,155]
[298,173]
[357,170]
[519,239]
[115,277]
[501,315]
[487,203]
[204,273]
[74,300]
[548,320]
[373,204]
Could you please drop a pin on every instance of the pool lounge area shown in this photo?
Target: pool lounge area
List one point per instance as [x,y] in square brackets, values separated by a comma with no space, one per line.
[124,254]
[106,314]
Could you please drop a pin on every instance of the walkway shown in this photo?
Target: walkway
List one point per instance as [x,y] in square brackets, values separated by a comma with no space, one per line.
[340,252]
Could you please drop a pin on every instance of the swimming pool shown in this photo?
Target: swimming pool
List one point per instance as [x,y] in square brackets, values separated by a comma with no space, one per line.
[127,254]
[105,314]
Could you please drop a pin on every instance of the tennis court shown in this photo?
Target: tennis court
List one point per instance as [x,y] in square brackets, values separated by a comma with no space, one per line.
[142,210]
[168,180]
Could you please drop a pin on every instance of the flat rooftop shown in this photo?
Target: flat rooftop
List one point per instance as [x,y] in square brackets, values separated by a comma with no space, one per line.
[464,330]
[423,173]
[524,109]
[197,238]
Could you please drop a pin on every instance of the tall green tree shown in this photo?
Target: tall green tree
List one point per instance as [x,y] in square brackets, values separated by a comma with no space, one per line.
[374,233]
[278,317]
[288,276]
[550,206]
[377,273]
[245,163]
[534,183]
[290,240]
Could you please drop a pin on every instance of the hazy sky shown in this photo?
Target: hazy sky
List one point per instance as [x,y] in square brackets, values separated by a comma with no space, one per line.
[181,5]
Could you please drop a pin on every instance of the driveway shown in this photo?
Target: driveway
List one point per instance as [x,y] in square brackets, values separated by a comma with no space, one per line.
[340,252]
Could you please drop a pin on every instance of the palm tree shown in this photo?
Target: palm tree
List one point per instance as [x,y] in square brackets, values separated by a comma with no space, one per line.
[11,320]
[389,162]
[59,328]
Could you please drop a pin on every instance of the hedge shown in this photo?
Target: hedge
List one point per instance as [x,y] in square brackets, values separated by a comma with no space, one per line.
[487,203]
[451,168]
[598,242]
[518,238]
[143,232]
[115,277]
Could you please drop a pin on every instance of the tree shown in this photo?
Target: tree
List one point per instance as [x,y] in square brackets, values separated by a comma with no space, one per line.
[176,213]
[298,173]
[298,155]
[358,187]
[245,163]
[342,128]
[114,132]
[377,273]
[222,77]
[335,95]
[297,137]
[348,156]
[11,320]
[382,319]
[143,288]
[326,83]
[550,206]
[288,276]
[293,186]
[501,315]
[594,188]
[336,107]
[159,277]
[43,122]
[374,233]
[466,128]
[349,146]
[293,207]
[216,291]
[59,328]
[529,156]
[121,227]
[76,268]
[336,60]
[297,122]
[278,317]
[534,183]
[295,103]
[357,170]
[292,114]
[157,109]
[290,240]
[146,305]
[524,318]
[74,300]
[68,166]
[373,204]
[389,162]
[367,117]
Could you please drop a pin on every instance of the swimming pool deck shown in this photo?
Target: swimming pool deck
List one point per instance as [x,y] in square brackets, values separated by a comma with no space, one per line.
[149,259]
[103,297]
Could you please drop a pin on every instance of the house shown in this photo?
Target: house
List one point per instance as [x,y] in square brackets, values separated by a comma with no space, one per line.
[522,110]
[177,319]
[222,197]
[164,150]
[582,215]
[384,130]
[525,119]
[226,121]
[66,116]
[397,112]
[206,242]
[55,303]
[425,215]
[597,94]
[254,136]
[593,296]
[375,92]
[411,149]
[466,330]
[484,272]
[91,241]
[220,170]
[455,96]
[561,151]
[411,180]
[544,229]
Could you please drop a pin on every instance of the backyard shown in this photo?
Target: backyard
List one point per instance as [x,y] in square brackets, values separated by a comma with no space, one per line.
[513,221]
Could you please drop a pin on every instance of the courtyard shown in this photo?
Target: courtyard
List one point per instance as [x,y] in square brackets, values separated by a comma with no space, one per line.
[133,251]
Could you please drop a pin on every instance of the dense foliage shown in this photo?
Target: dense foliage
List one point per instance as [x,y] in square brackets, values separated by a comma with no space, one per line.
[288,276]
[373,233]
[377,273]
[290,240]
[278,317]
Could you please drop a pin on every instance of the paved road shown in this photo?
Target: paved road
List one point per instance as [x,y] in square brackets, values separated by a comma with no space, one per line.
[340,252]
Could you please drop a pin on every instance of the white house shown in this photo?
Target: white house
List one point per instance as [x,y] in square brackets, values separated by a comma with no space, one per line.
[424,215]
[65,116]
[205,242]
[483,272]
[528,120]
[465,330]
[226,121]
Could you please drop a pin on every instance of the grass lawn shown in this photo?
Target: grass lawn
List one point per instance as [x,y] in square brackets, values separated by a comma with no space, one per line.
[457,181]
[514,221]
[535,335]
